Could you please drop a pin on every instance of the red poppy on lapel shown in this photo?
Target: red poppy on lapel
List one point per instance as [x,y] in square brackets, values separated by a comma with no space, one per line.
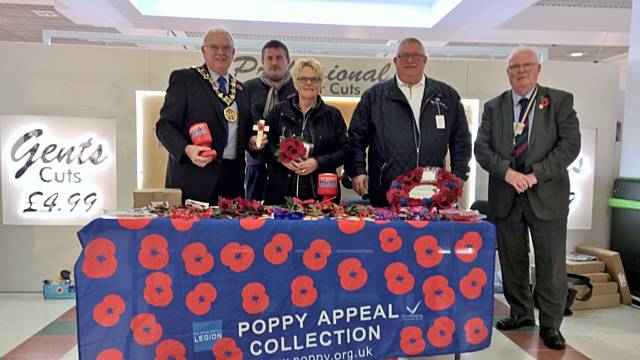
[543,103]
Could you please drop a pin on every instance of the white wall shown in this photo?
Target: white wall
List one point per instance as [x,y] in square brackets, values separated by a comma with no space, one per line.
[101,82]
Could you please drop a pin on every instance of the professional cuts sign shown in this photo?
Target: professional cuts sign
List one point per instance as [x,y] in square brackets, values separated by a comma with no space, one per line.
[343,76]
[283,289]
[56,170]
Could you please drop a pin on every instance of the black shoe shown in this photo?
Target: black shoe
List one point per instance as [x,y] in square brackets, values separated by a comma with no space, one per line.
[552,338]
[514,322]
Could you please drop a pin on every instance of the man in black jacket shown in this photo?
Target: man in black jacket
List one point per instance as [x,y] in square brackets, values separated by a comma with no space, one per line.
[272,86]
[406,122]
[208,94]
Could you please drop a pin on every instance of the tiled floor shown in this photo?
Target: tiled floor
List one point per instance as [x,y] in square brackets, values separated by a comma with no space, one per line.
[34,329]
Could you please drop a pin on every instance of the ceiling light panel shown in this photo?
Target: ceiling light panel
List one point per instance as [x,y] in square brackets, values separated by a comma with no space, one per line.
[605,4]
[403,14]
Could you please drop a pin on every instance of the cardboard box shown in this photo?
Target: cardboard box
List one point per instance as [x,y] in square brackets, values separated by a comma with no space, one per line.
[599,288]
[597,302]
[598,277]
[142,197]
[614,268]
[585,267]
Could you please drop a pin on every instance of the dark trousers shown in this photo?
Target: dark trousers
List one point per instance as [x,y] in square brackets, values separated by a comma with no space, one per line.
[378,199]
[254,181]
[230,182]
[549,239]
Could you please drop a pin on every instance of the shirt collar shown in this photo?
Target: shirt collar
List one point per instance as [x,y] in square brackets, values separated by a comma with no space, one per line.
[402,84]
[215,75]
[516,98]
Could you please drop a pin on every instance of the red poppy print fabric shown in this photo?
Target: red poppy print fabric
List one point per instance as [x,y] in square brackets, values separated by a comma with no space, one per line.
[412,341]
[226,349]
[303,293]
[428,251]
[254,298]
[472,284]
[99,259]
[317,255]
[107,312]
[440,334]
[250,288]
[390,241]
[146,330]
[197,259]
[237,257]
[438,295]
[277,250]
[170,350]
[200,299]
[467,248]
[399,279]
[352,275]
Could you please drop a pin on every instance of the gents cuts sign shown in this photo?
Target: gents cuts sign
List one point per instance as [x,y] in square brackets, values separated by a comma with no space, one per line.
[56,170]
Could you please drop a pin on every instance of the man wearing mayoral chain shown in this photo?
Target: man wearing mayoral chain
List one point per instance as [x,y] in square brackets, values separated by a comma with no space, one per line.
[207,94]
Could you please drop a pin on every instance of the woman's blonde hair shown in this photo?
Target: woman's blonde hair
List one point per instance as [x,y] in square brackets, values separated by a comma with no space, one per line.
[312,63]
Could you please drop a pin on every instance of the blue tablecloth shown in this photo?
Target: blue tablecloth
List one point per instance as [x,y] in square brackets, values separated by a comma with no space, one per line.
[256,289]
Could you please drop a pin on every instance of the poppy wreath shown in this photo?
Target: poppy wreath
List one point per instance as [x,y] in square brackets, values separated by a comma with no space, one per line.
[449,190]
[291,148]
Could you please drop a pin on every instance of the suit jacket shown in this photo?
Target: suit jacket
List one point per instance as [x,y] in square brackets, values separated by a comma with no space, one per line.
[554,142]
[190,99]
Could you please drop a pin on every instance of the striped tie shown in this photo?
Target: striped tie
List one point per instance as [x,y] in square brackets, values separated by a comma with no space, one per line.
[522,140]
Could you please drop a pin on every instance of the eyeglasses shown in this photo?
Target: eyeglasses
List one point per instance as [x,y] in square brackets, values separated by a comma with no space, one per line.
[414,57]
[215,48]
[309,79]
[525,66]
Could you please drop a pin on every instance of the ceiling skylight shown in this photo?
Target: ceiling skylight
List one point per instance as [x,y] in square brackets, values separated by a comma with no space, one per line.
[394,13]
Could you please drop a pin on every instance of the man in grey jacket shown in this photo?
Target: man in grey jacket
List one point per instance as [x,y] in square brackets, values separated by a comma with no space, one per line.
[528,137]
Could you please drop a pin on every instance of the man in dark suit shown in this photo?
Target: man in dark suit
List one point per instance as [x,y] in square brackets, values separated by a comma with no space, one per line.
[209,94]
[272,86]
[528,137]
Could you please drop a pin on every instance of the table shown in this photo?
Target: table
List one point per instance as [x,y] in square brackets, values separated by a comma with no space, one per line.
[283,289]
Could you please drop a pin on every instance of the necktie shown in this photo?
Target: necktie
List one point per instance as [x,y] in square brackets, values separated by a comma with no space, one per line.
[522,140]
[222,85]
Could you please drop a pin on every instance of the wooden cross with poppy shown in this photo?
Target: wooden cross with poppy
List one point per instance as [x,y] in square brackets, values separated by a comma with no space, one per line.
[261,128]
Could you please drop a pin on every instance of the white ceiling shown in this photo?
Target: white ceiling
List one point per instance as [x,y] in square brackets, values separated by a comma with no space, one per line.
[475,28]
